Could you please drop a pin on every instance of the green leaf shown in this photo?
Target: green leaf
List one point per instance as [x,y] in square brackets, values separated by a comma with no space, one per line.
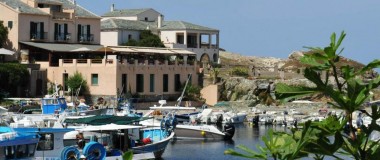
[374,64]
[330,52]
[348,72]
[315,60]
[340,40]
[128,155]
[286,92]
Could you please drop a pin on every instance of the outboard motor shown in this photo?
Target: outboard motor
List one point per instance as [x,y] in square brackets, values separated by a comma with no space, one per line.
[219,121]
[229,131]
[255,120]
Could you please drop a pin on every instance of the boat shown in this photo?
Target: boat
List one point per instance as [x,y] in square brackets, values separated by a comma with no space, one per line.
[16,145]
[139,139]
[188,130]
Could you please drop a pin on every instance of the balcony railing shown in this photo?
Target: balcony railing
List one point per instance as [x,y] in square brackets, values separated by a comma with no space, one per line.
[38,36]
[62,15]
[86,38]
[125,62]
[62,37]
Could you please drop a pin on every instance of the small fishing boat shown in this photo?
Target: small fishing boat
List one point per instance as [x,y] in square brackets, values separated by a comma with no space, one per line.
[188,130]
[119,138]
[16,145]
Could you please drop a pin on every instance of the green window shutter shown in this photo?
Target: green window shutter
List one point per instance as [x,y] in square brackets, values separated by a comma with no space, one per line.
[56,31]
[31,29]
[42,30]
[79,31]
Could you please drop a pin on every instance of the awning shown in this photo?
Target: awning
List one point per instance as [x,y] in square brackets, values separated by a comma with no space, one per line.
[132,49]
[106,119]
[66,47]
[108,127]
[4,51]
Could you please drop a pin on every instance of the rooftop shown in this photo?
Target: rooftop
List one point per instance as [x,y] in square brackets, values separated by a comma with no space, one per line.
[114,23]
[66,4]
[182,25]
[125,12]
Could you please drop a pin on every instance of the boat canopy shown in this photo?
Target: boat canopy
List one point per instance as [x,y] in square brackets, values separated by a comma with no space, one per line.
[106,119]
[172,108]
[108,127]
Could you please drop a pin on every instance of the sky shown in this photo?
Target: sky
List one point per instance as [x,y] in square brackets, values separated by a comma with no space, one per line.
[272,28]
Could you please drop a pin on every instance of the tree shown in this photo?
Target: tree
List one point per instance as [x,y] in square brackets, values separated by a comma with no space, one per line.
[76,82]
[147,39]
[3,34]
[12,76]
[332,135]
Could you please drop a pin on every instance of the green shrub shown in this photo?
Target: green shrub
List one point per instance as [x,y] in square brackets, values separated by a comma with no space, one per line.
[239,71]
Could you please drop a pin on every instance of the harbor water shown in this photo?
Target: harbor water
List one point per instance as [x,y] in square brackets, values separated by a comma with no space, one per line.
[245,134]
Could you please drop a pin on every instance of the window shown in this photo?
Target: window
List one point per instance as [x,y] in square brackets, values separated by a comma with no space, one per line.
[46,142]
[60,32]
[84,33]
[36,30]
[146,18]
[140,83]
[177,82]
[129,37]
[124,82]
[94,79]
[151,83]
[10,24]
[180,39]
[24,151]
[165,82]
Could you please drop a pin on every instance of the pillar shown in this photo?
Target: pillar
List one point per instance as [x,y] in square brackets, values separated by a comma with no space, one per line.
[209,40]
[198,40]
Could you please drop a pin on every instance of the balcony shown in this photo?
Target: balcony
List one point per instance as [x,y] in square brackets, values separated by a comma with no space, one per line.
[62,37]
[86,38]
[62,16]
[38,36]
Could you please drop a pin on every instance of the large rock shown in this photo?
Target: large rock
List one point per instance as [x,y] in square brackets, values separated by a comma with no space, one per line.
[296,55]
[238,89]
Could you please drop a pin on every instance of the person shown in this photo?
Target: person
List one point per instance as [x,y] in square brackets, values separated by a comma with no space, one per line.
[80,140]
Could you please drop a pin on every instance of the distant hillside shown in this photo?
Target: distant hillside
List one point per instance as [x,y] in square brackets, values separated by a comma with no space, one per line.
[230,58]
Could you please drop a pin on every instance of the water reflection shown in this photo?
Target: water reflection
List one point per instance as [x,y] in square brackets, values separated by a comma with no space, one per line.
[245,134]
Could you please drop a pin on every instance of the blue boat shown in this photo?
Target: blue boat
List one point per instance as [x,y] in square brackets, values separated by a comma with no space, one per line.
[17,145]
[139,139]
[53,105]
[50,144]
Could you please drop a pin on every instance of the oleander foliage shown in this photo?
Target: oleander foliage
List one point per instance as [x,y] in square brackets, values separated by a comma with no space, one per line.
[335,137]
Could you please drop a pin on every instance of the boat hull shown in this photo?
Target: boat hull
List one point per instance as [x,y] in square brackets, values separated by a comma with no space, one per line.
[193,133]
[157,148]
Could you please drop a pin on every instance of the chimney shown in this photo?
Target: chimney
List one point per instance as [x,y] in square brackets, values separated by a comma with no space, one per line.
[112,7]
[160,20]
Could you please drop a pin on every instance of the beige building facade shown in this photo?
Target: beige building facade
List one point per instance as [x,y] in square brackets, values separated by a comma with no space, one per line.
[121,25]
[61,38]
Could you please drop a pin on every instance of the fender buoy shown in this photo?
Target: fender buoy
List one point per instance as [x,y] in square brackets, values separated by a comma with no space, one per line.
[147,140]
[94,150]
[70,152]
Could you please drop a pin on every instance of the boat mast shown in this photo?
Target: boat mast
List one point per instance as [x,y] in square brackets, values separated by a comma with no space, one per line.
[183,92]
